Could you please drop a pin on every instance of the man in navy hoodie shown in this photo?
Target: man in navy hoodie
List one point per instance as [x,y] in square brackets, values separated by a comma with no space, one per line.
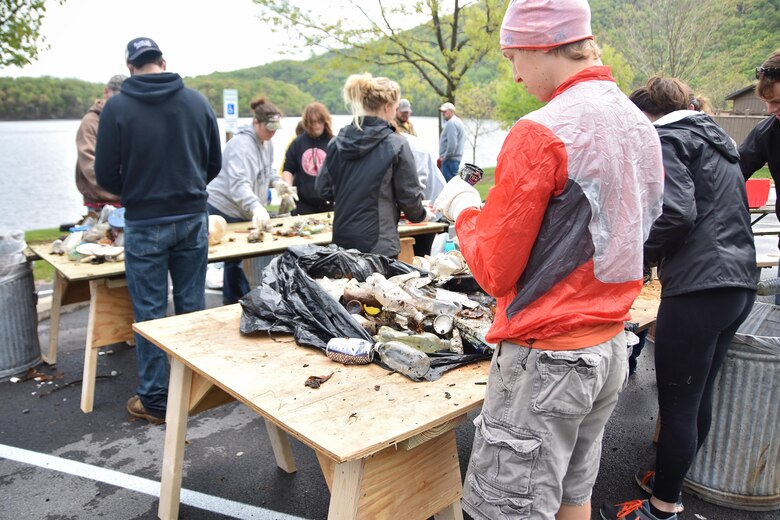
[158,146]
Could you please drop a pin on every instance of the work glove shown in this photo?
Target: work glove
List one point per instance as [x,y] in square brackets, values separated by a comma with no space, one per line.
[456,196]
[260,218]
[282,188]
[431,215]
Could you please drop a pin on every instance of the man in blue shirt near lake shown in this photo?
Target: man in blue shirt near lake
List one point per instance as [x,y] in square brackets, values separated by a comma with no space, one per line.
[451,141]
[158,146]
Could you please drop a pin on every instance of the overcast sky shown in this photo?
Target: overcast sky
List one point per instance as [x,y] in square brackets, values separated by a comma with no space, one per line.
[88,37]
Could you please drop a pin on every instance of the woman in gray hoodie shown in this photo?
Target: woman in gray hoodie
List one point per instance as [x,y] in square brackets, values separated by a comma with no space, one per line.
[241,189]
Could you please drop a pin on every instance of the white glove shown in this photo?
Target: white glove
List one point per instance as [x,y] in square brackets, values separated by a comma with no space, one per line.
[431,215]
[260,218]
[282,189]
[456,196]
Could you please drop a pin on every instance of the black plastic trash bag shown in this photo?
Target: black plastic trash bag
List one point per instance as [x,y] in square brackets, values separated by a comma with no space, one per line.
[290,301]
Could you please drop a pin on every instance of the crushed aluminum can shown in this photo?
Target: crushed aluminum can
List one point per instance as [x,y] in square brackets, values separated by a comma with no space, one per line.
[471,173]
[350,351]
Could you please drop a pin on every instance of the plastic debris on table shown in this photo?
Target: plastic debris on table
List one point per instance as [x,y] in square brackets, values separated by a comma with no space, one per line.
[319,293]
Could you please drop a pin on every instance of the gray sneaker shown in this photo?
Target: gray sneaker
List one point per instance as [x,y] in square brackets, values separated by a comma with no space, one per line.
[646,480]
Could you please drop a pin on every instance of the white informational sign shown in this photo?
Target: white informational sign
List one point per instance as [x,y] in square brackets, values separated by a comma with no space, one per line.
[230,109]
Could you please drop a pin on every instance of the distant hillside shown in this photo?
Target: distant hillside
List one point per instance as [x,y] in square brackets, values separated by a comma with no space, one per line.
[749,34]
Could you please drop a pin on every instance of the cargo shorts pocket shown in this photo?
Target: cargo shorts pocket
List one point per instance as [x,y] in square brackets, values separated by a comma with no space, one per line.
[504,458]
[568,383]
[480,497]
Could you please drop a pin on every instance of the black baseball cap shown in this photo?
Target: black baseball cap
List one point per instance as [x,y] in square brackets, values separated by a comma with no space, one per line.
[139,46]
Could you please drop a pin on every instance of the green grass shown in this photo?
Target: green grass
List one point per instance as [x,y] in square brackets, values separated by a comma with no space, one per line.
[487,182]
[763,173]
[42,270]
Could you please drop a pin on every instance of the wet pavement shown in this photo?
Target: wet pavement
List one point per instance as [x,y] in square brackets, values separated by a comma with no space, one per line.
[59,463]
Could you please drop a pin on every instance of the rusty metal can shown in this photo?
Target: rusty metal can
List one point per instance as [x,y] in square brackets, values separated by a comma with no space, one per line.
[471,173]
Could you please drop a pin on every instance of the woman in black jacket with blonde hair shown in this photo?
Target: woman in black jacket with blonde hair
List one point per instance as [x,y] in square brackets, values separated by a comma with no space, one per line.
[703,246]
[369,172]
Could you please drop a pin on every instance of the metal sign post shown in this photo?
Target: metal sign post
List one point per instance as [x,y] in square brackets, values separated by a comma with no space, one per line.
[230,111]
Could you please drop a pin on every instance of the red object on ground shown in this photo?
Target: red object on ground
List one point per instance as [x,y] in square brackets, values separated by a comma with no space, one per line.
[757,192]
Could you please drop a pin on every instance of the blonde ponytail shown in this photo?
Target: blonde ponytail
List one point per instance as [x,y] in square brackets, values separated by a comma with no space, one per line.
[364,93]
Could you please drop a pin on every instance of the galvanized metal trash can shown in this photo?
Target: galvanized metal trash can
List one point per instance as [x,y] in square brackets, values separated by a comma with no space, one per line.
[739,464]
[253,269]
[19,345]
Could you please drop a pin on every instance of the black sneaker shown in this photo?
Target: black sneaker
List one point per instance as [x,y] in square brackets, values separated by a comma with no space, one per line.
[631,510]
[646,480]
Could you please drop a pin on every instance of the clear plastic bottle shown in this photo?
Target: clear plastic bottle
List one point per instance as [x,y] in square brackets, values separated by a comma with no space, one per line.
[423,341]
[403,359]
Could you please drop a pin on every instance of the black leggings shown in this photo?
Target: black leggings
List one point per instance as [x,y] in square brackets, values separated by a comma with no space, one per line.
[693,333]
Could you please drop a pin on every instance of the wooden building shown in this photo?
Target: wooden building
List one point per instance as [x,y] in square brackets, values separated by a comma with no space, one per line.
[748,110]
[746,102]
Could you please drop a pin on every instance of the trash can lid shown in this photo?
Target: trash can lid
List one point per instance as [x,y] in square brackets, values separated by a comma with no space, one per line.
[117,218]
[12,242]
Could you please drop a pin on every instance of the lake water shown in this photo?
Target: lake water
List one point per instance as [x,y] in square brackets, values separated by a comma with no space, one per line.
[37,164]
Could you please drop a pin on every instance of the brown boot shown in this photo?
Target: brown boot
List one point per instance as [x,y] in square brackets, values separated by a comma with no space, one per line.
[136,408]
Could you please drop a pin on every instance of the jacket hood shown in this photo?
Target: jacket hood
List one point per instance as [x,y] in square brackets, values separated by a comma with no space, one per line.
[248,130]
[152,89]
[97,106]
[702,125]
[354,143]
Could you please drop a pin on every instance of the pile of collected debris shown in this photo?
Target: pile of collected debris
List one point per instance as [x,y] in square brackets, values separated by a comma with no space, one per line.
[324,295]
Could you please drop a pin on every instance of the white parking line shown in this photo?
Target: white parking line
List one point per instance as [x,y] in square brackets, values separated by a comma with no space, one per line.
[140,485]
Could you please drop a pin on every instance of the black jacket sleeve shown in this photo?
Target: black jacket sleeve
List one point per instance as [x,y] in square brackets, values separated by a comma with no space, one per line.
[215,149]
[108,153]
[679,208]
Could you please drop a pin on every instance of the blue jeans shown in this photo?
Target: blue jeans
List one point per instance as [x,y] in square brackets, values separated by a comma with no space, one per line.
[180,248]
[234,282]
[449,169]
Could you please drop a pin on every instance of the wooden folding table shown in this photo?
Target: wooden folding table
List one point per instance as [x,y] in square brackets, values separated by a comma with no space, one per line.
[105,287]
[385,443]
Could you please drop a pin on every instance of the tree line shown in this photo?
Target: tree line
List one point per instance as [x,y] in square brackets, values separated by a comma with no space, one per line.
[713,45]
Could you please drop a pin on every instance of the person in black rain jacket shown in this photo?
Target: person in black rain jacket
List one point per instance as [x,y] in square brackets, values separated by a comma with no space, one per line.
[370,172]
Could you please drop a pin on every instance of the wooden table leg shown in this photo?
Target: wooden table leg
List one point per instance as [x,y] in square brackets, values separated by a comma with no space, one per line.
[345,492]
[110,321]
[280,444]
[452,512]
[175,436]
[413,483]
[60,283]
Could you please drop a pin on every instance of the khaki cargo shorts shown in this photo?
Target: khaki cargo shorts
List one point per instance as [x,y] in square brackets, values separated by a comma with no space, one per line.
[537,442]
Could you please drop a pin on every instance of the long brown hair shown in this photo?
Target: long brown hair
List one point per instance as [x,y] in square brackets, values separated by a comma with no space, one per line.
[316,112]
